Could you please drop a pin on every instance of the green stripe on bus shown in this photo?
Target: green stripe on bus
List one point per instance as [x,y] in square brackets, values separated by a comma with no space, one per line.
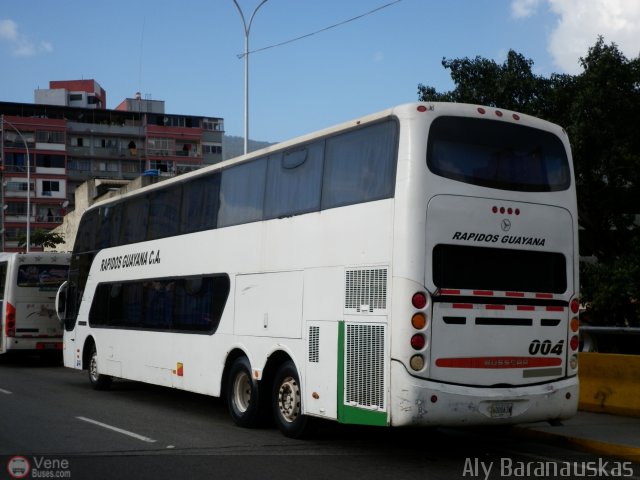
[347,413]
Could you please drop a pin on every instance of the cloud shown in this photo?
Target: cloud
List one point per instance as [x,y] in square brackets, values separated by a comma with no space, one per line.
[20,44]
[524,8]
[8,29]
[579,24]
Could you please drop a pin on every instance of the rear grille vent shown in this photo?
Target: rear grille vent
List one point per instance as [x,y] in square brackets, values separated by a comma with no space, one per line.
[314,344]
[366,290]
[364,379]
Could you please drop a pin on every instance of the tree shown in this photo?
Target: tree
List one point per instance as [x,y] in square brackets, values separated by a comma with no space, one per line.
[41,238]
[600,109]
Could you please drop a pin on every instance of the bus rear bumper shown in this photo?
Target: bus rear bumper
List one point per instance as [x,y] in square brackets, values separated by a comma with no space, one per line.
[417,402]
[36,344]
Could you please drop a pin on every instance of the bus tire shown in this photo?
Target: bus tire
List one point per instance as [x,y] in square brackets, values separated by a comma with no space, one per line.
[287,403]
[244,395]
[98,381]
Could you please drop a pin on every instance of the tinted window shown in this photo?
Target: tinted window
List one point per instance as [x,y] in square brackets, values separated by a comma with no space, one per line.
[360,165]
[164,212]
[44,277]
[242,193]
[108,225]
[294,181]
[86,236]
[134,221]
[456,266]
[497,155]
[200,203]
[185,304]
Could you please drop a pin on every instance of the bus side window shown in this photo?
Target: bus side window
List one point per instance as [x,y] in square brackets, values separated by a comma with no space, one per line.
[200,201]
[108,225]
[242,193]
[164,213]
[360,165]
[134,221]
[294,181]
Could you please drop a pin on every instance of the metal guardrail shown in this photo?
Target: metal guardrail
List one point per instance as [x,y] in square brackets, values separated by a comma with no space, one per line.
[613,330]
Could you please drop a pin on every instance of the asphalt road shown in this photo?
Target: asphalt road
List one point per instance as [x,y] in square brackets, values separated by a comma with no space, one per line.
[51,419]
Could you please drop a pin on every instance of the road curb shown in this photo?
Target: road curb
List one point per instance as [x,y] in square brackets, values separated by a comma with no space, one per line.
[598,447]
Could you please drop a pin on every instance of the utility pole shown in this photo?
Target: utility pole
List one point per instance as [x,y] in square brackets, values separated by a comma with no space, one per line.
[247,29]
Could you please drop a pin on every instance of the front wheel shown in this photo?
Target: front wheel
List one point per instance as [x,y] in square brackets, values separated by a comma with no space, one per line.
[98,381]
[287,402]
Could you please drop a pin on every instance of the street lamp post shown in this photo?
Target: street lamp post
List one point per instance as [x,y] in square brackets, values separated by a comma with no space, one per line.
[26,147]
[247,28]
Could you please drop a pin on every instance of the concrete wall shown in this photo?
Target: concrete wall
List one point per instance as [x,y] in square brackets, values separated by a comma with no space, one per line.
[610,383]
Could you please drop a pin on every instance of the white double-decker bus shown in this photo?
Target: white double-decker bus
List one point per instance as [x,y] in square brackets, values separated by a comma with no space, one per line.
[417,266]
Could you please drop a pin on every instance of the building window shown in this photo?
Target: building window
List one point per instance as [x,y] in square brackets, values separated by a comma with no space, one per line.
[16,187]
[49,161]
[45,136]
[161,146]
[213,125]
[131,167]
[79,164]
[49,186]
[212,149]
[16,209]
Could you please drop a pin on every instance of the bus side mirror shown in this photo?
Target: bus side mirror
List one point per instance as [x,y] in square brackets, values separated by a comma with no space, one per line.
[61,302]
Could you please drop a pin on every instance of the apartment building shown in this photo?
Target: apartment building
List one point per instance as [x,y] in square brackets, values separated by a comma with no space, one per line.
[68,136]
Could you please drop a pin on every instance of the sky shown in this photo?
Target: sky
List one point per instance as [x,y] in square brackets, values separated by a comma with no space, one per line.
[355,57]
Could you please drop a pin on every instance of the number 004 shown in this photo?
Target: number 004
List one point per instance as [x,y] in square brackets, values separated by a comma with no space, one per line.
[546,347]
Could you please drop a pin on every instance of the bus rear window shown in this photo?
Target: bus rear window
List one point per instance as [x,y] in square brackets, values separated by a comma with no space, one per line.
[497,154]
[481,268]
[42,276]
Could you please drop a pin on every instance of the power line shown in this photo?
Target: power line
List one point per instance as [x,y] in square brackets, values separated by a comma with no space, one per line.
[241,55]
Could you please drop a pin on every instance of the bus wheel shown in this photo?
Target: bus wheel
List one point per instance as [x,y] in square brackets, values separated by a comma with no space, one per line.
[287,402]
[244,395]
[98,381]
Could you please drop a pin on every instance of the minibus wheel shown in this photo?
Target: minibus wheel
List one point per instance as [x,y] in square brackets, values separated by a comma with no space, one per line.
[98,380]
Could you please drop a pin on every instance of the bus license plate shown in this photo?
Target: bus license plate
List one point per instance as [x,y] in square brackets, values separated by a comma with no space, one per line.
[501,410]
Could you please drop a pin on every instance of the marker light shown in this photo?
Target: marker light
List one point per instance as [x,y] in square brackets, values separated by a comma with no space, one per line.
[417,362]
[575,305]
[573,362]
[574,342]
[419,300]
[418,341]
[419,321]
[575,324]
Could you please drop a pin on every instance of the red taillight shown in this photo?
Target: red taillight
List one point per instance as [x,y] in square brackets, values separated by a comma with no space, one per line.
[419,300]
[422,108]
[574,342]
[10,321]
[418,341]
[575,305]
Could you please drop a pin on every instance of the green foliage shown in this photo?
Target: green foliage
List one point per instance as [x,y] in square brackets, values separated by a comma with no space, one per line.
[42,238]
[611,289]
[600,109]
